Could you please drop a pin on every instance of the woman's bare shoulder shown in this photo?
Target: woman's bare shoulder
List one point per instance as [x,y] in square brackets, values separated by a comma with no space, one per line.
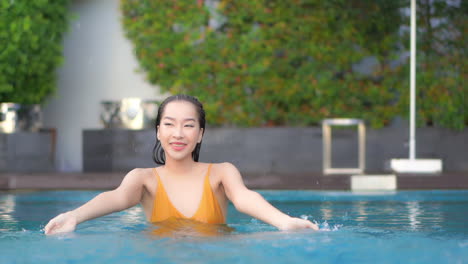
[225,165]
[141,171]
[140,174]
[224,168]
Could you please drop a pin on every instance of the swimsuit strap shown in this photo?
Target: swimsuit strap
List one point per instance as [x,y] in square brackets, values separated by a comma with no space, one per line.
[209,209]
[207,176]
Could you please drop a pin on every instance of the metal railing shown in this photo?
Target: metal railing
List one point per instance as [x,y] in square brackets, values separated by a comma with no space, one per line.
[327,143]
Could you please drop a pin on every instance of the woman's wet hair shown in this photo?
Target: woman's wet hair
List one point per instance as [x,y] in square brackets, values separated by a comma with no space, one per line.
[158,152]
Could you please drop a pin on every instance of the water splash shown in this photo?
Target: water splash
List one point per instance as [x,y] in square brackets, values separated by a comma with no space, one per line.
[322,226]
[326,227]
[254,221]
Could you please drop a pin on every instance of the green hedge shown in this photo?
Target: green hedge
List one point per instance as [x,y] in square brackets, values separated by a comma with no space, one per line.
[277,62]
[442,68]
[31,35]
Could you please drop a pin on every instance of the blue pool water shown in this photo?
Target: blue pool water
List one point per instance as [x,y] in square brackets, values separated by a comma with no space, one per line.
[399,227]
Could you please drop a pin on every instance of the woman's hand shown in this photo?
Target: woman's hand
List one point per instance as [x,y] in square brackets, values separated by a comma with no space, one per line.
[292,223]
[62,223]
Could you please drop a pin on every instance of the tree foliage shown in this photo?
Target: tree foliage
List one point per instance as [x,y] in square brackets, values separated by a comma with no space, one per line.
[31,35]
[441,63]
[274,62]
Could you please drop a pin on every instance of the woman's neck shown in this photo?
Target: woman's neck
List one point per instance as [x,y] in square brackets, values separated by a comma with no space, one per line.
[180,167]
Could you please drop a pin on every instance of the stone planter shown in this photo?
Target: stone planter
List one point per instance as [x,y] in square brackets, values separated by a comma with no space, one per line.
[24,145]
[16,117]
[129,113]
[28,151]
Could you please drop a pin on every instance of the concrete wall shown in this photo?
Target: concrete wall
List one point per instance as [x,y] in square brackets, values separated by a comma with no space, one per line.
[280,151]
[299,150]
[99,65]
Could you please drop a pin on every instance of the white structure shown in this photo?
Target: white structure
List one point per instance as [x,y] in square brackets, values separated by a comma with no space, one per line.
[413,165]
[99,65]
[373,182]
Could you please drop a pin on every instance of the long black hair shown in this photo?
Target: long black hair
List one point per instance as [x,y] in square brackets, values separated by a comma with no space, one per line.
[158,152]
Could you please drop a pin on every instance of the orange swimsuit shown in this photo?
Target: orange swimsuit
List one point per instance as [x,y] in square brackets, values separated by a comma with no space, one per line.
[208,211]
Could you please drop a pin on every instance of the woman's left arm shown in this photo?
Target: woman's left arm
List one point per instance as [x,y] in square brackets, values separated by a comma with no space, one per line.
[253,204]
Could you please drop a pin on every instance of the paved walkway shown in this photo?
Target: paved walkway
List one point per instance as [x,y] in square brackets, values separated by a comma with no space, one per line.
[110,180]
[60,180]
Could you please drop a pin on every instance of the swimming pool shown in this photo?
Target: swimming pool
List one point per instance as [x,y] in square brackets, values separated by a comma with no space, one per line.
[393,227]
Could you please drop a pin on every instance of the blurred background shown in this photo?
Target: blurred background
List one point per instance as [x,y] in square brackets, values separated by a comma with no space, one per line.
[273,69]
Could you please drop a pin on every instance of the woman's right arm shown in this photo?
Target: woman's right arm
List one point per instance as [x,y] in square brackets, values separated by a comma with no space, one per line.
[128,194]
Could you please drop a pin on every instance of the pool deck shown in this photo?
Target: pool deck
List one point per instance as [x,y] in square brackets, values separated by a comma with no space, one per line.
[110,180]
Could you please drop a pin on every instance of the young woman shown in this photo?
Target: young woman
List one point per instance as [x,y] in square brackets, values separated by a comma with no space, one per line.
[181,187]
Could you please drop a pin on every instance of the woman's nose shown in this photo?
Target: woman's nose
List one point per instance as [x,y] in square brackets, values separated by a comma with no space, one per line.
[178,132]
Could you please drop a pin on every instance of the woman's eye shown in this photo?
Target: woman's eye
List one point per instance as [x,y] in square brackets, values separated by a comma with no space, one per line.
[189,125]
[168,124]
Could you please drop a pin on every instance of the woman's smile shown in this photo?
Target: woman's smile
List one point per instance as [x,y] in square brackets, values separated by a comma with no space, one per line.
[178,146]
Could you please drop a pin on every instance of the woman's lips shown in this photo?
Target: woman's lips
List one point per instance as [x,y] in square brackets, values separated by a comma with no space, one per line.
[177,146]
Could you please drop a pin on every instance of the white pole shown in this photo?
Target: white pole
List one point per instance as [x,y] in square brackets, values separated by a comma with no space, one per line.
[413,165]
[412,140]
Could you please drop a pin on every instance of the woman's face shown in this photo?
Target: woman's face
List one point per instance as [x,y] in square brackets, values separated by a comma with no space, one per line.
[179,130]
